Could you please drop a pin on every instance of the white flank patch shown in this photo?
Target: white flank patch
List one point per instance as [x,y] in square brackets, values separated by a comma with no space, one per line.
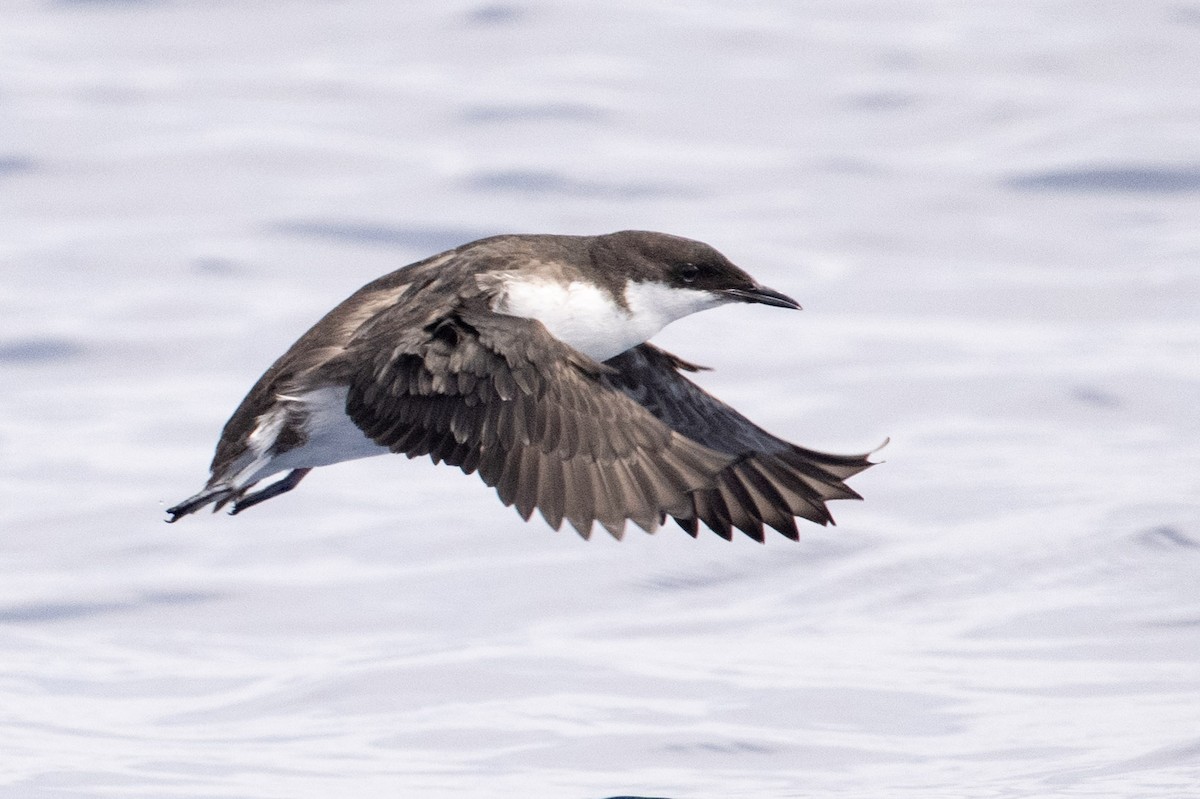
[332,436]
[587,317]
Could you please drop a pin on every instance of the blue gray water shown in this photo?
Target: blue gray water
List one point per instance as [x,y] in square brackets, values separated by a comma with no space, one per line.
[989,212]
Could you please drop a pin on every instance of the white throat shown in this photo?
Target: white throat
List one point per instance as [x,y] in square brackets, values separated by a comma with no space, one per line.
[588,318]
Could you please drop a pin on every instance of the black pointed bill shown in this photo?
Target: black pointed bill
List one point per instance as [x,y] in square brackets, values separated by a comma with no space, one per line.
[763,295]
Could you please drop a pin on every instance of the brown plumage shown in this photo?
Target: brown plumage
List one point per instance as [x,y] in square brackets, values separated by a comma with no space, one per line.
[426,361]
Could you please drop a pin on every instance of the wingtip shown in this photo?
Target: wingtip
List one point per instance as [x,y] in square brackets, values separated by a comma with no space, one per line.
[583,527]
[615,529]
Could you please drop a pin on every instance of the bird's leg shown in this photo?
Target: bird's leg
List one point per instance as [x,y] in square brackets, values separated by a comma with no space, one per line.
[275,489]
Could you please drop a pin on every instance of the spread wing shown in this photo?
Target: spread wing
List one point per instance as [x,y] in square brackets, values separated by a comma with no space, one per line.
[768,481]
[538,420]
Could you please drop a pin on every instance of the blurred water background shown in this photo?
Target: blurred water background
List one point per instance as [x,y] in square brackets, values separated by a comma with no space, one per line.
[990,211]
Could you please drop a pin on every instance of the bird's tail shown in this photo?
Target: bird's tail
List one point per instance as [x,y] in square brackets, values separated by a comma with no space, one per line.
[219,493]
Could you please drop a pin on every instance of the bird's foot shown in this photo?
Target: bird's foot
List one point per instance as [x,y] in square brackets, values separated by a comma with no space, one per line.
[275,489]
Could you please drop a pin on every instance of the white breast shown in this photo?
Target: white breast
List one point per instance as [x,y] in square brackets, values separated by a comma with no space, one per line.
[586,317]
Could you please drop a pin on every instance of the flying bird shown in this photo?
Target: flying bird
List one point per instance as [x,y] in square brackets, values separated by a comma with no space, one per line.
[525,358]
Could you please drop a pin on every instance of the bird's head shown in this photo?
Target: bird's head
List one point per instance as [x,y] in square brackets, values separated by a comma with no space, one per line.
[691,272]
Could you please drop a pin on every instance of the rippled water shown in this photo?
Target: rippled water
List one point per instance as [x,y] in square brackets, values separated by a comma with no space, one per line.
[988,211]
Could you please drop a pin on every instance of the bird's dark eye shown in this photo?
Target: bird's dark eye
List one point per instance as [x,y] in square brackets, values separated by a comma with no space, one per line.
[689,272]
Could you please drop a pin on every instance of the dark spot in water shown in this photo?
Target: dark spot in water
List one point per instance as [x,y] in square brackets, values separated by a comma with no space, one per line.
[1184,623]
[548,112]
[216,266]
[532,181]
[494,14]
[421,239]
[71,611]
[693,581]
[38,350]
[15,165]
[1167,537]
[880,101]
[1186,15]
[177,598]
[58,611]
[854,166]
[1090,395]
[1124,179]
[727,748]
[114,3]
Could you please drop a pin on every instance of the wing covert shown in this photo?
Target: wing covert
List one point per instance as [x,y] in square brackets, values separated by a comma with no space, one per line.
[536,419]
